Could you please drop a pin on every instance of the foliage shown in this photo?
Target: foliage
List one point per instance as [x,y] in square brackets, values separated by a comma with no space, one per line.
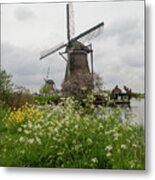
[5,87]
[45,89]
[138,95]
[43,100]
[71,136]
[98,82]
[82,84]
[77,85]
[3,112]
[27,112]
[20,97]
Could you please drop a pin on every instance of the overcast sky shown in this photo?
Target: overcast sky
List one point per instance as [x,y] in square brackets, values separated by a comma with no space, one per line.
[27,29]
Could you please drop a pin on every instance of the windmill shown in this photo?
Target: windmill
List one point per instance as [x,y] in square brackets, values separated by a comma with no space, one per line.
[49,82]
[76,51]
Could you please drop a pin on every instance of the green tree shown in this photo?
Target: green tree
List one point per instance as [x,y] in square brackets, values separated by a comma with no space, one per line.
[5,87]
[45,89]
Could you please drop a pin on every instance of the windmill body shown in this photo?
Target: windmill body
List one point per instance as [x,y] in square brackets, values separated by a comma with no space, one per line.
[77,52]
[78,56]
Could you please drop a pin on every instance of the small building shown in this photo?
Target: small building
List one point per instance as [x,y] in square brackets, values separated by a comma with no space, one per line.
[120,97]
[116,92]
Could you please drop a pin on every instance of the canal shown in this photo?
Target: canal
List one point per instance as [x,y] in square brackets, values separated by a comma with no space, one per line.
[135,114]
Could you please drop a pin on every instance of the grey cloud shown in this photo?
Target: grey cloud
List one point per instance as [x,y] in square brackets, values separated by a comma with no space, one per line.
[126,31]
[118,56]
[23,13]
[27,70]
[114,78]
[133,61]
[6,47]
[119,65]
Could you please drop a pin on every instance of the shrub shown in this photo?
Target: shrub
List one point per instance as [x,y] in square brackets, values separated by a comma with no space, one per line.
[43,100]
[20,97]
[78,84]
[45,89]
[25,113]
[82,84]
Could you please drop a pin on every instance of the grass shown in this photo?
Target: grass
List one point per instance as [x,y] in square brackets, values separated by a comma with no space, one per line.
[70,136]
[3,112]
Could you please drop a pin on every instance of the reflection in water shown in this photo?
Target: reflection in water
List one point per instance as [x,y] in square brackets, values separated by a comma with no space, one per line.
[136,113]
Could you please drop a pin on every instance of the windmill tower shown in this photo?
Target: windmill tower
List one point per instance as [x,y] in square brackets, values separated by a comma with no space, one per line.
[78,60]
[76,51]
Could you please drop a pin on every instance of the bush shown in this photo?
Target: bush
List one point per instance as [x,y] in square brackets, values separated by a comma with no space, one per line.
[67,136]
[19,115]
[77,85]
[20,97]
[43,100]
[82,84]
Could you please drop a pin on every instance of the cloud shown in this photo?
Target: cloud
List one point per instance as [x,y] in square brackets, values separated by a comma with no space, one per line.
[24,65]
[133,60]
[118,52]
[24,14]
[125,30]
[119,55]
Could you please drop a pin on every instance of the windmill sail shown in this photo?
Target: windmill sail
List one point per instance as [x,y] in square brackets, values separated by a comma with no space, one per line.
[48,52]
[90,33]
[87,35]
[70,21]
[83,37]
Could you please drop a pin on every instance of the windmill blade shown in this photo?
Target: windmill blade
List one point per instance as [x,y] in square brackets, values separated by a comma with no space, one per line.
[71,19]
[90,33]
[48,52]
[87,35]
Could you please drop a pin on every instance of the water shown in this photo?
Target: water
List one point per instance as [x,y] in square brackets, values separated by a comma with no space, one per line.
[135,114]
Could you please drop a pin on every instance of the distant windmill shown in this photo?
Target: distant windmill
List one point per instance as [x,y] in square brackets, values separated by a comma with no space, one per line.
[49,82]
[77,60]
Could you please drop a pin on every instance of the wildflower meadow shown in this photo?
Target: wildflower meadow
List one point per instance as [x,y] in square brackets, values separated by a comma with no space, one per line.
[70,136]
